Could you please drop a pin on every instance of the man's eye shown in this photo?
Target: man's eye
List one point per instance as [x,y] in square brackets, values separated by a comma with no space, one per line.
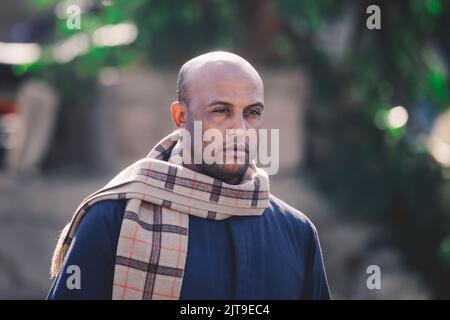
[221,110]
[254,112]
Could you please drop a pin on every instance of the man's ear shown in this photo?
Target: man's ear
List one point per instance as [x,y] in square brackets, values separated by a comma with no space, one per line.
[179,114]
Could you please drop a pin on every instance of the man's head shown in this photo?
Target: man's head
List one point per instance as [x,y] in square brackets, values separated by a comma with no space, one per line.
[223,91]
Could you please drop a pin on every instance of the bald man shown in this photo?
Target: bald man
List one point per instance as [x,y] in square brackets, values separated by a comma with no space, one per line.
[257,247]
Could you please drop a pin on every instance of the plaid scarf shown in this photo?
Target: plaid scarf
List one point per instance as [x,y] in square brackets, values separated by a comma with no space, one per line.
[152,247]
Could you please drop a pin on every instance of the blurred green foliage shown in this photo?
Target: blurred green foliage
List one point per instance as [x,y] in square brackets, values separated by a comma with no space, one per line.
[371,169]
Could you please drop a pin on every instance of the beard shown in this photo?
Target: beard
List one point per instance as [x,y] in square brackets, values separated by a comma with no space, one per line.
[230,173]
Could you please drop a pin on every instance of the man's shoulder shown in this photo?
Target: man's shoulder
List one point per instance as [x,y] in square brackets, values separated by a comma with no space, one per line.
[107,206]
[105,211]
[285,212]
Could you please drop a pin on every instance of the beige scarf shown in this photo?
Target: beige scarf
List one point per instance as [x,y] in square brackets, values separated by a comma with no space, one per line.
[152,246]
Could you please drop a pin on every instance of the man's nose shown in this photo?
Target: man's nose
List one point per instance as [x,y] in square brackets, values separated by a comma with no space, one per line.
[239,122]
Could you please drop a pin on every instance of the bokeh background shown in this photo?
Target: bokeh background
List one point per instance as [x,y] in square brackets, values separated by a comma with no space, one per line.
[363,116]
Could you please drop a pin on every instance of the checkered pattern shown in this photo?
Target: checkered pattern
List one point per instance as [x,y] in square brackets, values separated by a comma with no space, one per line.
[152,247]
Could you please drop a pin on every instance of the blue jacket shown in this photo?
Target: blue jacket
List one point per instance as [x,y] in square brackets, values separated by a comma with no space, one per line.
[273,256]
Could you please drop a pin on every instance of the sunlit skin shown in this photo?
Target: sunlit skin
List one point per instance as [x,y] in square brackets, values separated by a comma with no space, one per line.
[225,92]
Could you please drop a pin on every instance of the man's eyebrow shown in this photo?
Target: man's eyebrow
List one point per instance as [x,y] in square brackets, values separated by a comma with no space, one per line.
[256,104]
[216,102]
[221,102]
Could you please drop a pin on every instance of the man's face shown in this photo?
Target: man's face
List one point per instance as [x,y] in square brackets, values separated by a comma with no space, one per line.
[225,96]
